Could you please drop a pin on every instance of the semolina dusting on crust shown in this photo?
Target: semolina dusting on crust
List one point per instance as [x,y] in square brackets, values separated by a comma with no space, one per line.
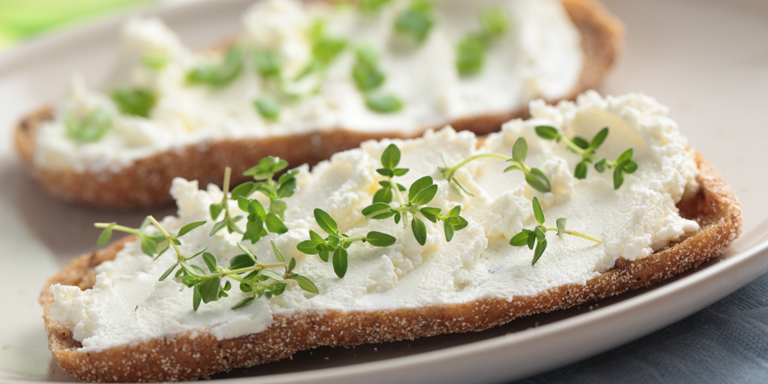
[146,183]
[193,355]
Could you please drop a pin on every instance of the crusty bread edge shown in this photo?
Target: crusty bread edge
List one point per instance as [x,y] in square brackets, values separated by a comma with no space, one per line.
[146,182]
[189,356]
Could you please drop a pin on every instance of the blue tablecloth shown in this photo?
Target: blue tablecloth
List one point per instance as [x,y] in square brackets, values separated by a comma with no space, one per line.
[726,342]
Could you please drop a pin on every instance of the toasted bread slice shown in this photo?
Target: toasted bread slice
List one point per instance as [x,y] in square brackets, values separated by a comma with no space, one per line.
[184,356]
[147,181]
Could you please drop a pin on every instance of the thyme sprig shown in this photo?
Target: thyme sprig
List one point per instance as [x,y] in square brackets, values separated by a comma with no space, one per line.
[622,165]
[420,193]
[530,237]
[533,176]
[337,243]
[215,210]
[261,221]
[254,278]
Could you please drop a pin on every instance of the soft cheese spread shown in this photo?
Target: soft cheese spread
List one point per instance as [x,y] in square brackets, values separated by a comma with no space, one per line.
[539,56]
[129,304]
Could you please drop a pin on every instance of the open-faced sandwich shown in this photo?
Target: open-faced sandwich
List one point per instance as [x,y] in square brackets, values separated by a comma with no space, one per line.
[305,80]
[397,239]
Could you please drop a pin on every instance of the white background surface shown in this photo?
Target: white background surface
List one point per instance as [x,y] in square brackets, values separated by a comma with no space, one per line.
[707,60]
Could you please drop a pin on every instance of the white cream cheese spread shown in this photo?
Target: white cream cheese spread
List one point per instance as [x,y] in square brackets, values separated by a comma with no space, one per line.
[539,56]
[129,304]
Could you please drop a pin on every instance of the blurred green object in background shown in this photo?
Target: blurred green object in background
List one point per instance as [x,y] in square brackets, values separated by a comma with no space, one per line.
[22,18]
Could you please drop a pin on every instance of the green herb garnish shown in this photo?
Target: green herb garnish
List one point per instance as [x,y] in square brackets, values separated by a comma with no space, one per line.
[383,103]
[215,210]
[366,72]
[533,176]
[268,107]
[220,74]
[89,128]
[254,278]
[134,101]
[268,62]
[416,21]
[337,243]
[420,193]
[530,237]
[155,60]
[623,164]
[470,53]
[372,6]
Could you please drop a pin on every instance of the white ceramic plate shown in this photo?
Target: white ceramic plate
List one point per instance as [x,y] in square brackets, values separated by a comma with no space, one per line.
[707,60]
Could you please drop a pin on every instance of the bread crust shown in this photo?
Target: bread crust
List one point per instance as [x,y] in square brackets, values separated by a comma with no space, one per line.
[146,182]
[192,355]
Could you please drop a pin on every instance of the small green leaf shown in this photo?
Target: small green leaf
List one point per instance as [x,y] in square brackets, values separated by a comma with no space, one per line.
[581,170]
[520,150]
[540,236]
[626,155]
[540,247]
[219,74]
[400,172]
[243,190]
[271,274]
[267,167]
[217,227]
[372,6]
[470,56]
[417,186]
[419,230]
[133,101]
[580,142]
[89,128]
[600,165]
[537,211]
[425,195]
[215,210]
[209,290]
[268,107]
[104,237]
[307,247]
[325,49]
[333,242]
[187,228]
[455,211]
[430,213]
[390,158]
[448,229]
[378,211]
[148,245]
[367,76]
[287,188]
[531,240]
[196,298]
[326,222]
[241,261]
[495,21]
[519,240]
[538,180]
[598,139]
[561,227]
[316,238]
[628,166]
[378,239]
[210,261]
[416,20]
[547,132]
[306,284]
[275,225]
[244,301]
[383,103]
[383,195]
[278,254]
[340,261]
[268,62]
[618,177]
[322,251]
[292,264]
[512,167]
[385,172]
[168,272]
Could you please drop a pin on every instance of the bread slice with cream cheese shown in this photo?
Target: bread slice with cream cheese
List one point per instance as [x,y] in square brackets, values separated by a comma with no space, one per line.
[146,180]
[672,214]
